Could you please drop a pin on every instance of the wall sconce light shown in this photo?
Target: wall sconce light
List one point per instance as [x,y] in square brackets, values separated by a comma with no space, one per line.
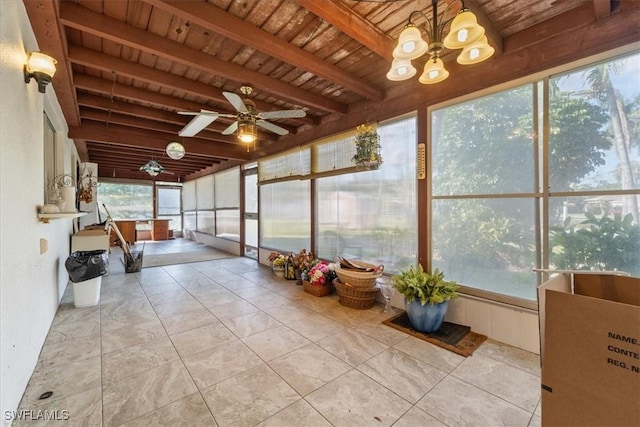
[40,67]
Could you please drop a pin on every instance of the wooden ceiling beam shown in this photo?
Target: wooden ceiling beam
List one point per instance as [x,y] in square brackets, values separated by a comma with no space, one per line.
[158,100]
[135,164]
[565,23]
[217,20]
[141,158]
[338,14]
[601,8]
[110,64]
[96,101]
[50,36]
[85,20]
[191,156]
[116,134]
[137,176]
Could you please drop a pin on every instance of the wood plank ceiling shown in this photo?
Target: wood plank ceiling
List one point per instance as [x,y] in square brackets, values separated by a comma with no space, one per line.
[126,67]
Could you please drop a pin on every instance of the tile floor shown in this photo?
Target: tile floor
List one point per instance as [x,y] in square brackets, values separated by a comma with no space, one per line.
[227,343]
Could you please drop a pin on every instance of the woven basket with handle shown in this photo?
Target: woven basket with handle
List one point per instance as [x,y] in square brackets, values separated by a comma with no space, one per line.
[360,279]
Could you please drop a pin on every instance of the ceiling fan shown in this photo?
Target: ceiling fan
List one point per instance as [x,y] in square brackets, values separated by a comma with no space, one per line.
[247,118]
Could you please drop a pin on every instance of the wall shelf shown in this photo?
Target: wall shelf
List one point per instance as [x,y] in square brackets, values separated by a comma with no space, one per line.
[45,218]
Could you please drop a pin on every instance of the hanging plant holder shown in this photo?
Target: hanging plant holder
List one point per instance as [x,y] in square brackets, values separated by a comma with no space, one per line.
[368,148]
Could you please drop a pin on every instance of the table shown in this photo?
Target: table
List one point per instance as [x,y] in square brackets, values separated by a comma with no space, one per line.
[127,227]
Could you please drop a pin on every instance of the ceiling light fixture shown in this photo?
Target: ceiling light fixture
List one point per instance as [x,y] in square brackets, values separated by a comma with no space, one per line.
[152,167]
[175,150]
[464,33]
[247,131]
[40,67]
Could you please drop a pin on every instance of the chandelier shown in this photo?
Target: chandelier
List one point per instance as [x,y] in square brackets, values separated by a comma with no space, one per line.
[464,33]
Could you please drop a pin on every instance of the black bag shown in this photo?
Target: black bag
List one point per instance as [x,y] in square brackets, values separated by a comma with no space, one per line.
[86,265]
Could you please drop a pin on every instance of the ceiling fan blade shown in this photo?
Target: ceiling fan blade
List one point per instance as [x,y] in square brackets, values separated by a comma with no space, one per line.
[273,128]
[198,123]
[196,113]
[282,114]
[236,101]
[231,129]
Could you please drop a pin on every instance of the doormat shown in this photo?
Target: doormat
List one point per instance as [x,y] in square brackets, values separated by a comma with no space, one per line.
[451,336]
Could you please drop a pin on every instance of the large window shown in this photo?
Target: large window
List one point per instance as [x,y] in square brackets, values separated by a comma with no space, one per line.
[372,215]
[189,206]
[285,215]
[205,219]
[169,206]
[483,183]
[251,211]
[227,204]
[594,167]
[126,200]
[500,173]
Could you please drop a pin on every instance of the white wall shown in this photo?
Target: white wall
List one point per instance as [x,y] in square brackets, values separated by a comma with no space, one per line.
[31,283]
[510,325]
[215,242]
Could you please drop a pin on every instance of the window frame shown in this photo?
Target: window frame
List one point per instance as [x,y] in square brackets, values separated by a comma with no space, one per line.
[541,194]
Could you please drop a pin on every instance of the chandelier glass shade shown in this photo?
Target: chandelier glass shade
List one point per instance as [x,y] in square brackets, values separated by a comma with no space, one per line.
[464,33]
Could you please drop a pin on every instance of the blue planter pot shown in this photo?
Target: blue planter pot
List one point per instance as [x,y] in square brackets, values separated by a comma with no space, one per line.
[426,318]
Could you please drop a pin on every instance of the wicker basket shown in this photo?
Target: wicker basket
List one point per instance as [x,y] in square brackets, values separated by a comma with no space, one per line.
[360,279]
[359,298]
[318,291]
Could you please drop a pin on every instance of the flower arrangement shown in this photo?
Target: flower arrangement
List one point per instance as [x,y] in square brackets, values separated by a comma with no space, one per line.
[302,260]
[322,273]
[277,258]
[367,148]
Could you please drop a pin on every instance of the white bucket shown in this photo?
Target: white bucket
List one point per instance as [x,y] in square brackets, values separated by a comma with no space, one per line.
[87,293]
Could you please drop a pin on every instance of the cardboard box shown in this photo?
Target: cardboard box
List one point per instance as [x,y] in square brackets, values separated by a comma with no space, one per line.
[590,350]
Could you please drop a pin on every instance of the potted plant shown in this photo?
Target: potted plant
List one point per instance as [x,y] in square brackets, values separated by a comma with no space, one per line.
[426,296]
[367,148]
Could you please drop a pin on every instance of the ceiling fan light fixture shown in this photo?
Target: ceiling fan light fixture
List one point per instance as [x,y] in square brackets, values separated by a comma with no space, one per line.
[247,131]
